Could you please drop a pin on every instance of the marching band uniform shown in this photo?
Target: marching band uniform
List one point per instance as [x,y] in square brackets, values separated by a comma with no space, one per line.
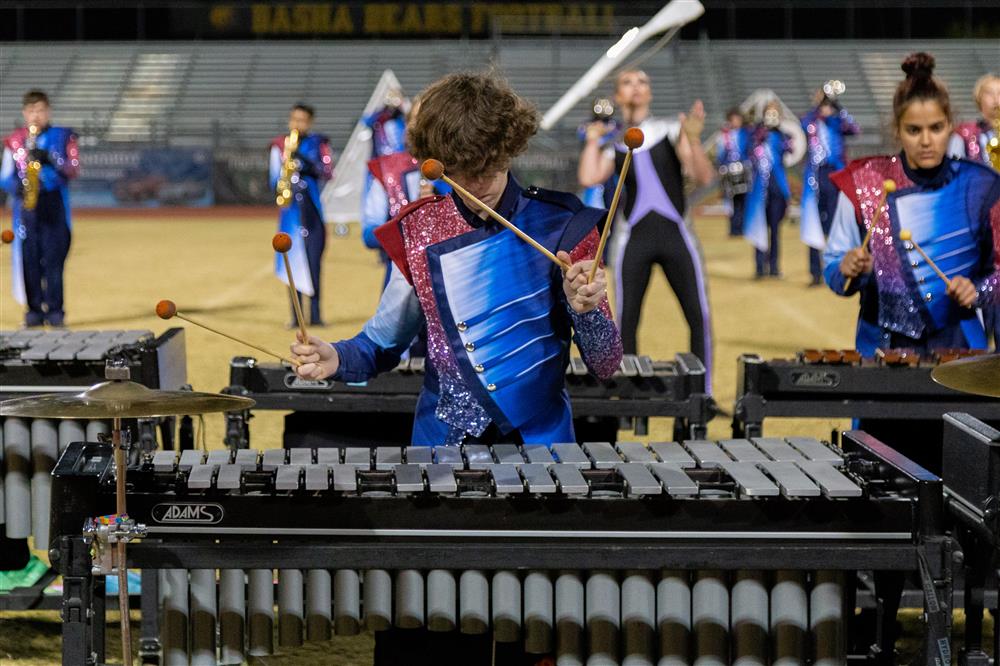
[953,212]
[768,198]
[826,153]
[302,219]
[970,140]
[498,324]
[393,182]
[731,156]
[599,196]
[655,232]
[42,235]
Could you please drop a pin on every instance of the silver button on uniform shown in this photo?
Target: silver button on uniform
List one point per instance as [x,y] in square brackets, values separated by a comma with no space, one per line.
[470,347]
[462,326]
[478,367]
[491,387]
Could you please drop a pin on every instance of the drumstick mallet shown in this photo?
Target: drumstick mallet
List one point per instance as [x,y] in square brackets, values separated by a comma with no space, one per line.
[282,243]
[888,187]
[7,236]
[907,236]
[633,139]
[168,309]
[434,170]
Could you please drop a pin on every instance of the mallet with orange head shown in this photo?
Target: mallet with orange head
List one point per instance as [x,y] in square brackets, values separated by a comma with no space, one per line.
[282,243]
[888,187]
[434,170]
[7,236]
[907,236]
[168,309]
[633,139]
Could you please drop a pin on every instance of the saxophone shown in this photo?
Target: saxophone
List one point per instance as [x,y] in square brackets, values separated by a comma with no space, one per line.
[31,172]
[288,169]
[993,145]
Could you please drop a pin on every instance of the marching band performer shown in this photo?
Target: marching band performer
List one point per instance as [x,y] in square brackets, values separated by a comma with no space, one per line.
[299,166]
[768,198]
[499,316]
[731,155]
[655,231]
[972,138]
[825,127]
[39,160]
[948,208]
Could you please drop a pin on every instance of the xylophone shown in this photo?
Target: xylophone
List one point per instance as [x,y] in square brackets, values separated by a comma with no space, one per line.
[895,384]
[599,553]
[640,389]
[36,361]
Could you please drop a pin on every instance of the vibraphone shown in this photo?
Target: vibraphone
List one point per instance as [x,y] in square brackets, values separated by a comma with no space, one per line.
[895,384]
[640,389]
[598,553]
[36,361]
[971,473]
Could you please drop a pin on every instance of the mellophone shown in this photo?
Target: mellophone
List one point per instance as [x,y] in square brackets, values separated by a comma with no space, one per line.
[895,384]
[594,552]
[641,388]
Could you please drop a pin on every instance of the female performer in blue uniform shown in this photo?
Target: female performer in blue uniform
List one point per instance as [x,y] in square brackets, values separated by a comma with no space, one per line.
[767,201]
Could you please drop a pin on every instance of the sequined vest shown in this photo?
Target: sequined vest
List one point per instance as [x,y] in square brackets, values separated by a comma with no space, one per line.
[399,175]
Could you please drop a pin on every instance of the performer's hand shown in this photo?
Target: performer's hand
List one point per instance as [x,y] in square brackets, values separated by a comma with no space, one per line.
[596,130]
[962,291]
[318,358]
[856,262]
[582,297]
[693,122]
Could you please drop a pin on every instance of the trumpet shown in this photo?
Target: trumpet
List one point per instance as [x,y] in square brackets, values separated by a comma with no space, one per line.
[31,171]
[288,169]
[993,145]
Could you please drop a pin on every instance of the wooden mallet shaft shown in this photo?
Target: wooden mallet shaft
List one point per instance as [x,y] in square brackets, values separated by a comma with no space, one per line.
[888,186]
[167,309]
[907,236]
[434,170]
[282,243]
[633,139]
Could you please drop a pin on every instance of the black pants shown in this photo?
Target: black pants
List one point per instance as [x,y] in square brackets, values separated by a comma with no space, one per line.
[827,200]
[314,237]
[736,219]
[43,252]
[775,206]
[657,240]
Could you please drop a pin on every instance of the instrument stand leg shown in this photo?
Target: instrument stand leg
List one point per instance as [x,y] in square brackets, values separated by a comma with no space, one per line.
[934,559]
[975,568]
[149,628]
[77,603]
[100,613]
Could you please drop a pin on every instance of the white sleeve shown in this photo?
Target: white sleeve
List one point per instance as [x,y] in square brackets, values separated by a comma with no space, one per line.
[956,146]
[673,130]
[398,317]
[844,234]
[274,165]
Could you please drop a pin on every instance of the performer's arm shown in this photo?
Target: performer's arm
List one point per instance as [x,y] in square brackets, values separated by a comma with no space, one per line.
[8,174]
[379,345]
[68,164]
[841,247]
[594,330]
[374,213]
[956,146]
[596,163]
[318,166]
[274,165]
[694,161]
[848,126]
[988,287]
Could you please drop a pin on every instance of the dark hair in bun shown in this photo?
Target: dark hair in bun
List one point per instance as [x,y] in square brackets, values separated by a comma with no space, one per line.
[919,84]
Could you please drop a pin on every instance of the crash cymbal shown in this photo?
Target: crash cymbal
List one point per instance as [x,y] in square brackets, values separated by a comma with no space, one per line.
[979,375]
[121,399]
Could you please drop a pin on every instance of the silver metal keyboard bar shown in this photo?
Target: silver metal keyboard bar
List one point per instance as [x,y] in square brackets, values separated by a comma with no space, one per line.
[300,456]
[538,478]
[742,450]
[674,480]
[419,455]
[635,452]
[778,449]
[571,454]
[603,454]
[200,477]
[674,453]
[330,456]
[508,454]
[409,478]
[230,477]
[750,480]
[506,479]
[644,365]
[219,456]
[571,482]
[387,457]
[246,458]
[830,481]
[287,477]
[478,455]
[815,450]
[707,453]
[792,481]
[273,458]
[190,458]
[536,453]
[317,476]
[441,479]
[345,478]
[449,455]
[578,366]
[628,366]
[638,479]
[360,457]
[164,461]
